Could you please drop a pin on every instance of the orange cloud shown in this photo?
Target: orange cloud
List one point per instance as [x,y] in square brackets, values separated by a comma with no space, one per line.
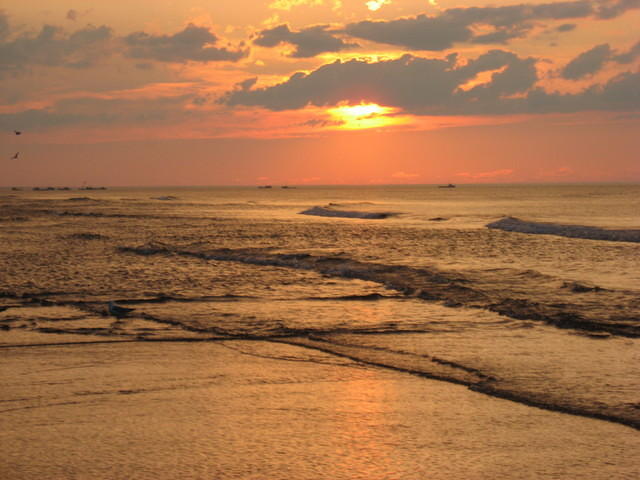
[486,175]
[404,175]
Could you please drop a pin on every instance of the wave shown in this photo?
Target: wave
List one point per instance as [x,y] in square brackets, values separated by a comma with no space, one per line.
[87,236]
[511,224]
[384,345]
[330,212]
[430,366]
[573,306]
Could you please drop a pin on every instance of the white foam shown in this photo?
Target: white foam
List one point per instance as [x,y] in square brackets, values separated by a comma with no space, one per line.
[511,224]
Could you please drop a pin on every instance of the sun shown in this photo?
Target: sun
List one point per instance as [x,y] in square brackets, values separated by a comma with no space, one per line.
[364,115]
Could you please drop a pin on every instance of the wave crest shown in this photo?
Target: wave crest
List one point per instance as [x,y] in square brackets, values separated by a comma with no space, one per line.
[512,224]
[330,212]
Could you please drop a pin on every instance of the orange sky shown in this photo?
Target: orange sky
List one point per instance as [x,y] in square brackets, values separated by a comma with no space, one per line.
[158,92]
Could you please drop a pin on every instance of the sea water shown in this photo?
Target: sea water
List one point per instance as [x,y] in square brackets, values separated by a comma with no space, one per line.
[503,289]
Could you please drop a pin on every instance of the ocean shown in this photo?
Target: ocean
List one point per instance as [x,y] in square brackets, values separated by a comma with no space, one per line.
[525,295]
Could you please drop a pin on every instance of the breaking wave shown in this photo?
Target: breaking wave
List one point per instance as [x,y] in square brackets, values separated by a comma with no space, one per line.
[570,306]
[511,224]
[330,212]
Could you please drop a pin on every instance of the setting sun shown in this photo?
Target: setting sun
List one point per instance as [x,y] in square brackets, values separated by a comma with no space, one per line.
[363,116]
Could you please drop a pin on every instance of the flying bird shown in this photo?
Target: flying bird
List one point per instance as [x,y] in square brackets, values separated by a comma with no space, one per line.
[17,132]
[118,311]
[15,157]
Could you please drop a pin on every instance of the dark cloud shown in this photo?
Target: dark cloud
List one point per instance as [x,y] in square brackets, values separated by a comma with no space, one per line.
[419,85]
[52,46]
[484,25]
[193,43]
[435,87]
[628,56]
[607,9]
[308,42]
[621,93]
[593,60]
[587,63]
[4,26]
[417,33]
[566,27]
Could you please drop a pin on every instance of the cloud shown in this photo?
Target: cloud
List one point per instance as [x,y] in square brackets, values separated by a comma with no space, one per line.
[415,84]
[629,56]
[4,26]
[418,33]
[404,175]
[613,8]
[482,25]
[192,43]
[52,46]
[621,93]
[484,175]
[91,111]
[431,86]
[72,15]
[374,5]
[594,59]
[289,4]
[587,63]
[308,42]
[566,27]
[558,172]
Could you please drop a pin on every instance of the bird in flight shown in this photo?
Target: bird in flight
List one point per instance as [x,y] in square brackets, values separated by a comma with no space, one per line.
[15,157]
[17,132]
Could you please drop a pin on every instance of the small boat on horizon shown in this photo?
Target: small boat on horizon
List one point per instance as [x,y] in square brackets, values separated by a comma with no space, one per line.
[450,185]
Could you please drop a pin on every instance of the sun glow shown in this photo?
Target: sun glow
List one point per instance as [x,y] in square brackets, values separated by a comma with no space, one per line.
[374,5]
[370,115]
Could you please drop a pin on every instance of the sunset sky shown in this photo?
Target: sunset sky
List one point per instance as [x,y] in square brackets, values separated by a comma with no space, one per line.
[246,92]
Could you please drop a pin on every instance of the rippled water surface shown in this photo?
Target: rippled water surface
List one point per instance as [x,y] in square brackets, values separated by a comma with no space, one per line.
[405,279]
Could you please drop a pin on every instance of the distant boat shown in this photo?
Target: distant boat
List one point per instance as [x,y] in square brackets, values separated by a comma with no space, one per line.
[450,185]
[286,186]
[265,186]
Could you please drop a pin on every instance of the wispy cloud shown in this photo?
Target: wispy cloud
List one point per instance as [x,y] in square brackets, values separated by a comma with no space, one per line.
[404,175]
[486,175]
[289,4]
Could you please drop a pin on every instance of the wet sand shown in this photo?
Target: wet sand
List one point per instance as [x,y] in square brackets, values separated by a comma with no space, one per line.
[263,410]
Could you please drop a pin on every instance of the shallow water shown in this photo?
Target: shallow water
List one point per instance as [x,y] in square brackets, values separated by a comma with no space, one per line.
[426,288]
[204,410]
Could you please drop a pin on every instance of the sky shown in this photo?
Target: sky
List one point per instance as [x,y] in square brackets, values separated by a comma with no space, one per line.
[304,92]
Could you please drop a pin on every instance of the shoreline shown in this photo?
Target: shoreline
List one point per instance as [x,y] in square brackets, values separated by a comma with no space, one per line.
[206,406]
